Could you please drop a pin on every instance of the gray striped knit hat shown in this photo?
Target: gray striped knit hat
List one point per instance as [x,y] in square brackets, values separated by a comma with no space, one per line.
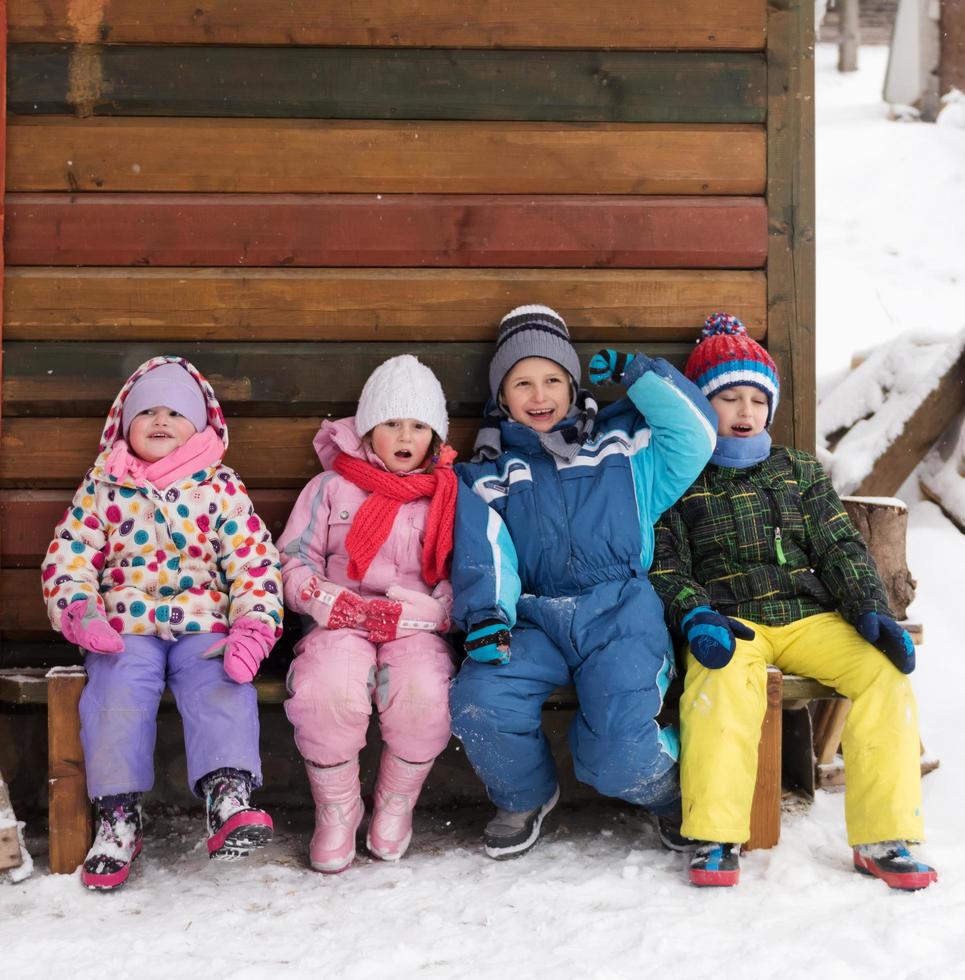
[531,331]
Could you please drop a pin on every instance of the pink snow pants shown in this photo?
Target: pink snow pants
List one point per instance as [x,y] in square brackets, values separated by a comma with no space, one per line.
[337,675]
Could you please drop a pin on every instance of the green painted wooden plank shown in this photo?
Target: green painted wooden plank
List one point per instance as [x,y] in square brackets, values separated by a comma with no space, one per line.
[81,379]
[380,83]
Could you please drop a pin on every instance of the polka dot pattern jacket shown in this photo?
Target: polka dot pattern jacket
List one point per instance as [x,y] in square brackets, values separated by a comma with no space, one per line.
[192,557]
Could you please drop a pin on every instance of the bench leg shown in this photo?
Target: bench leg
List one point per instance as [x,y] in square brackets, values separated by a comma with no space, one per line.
[71,827]
[766,808]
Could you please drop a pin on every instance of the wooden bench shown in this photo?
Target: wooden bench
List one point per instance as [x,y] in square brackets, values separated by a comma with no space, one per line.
[70,816]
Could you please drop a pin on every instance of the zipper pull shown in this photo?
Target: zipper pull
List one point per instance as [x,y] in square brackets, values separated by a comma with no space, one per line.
[778,547]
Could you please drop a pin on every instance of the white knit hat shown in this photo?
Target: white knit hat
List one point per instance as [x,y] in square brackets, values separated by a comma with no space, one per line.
[402,388]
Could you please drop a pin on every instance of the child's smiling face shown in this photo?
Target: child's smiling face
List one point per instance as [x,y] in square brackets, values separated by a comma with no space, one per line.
[537,393]
[741,411]
[402,444]
[157,432]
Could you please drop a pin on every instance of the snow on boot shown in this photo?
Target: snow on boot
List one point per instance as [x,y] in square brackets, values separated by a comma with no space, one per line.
[338,815]
[715,864]
[118,842]
[235,828]
[890,861]
[510,834]
[396,792]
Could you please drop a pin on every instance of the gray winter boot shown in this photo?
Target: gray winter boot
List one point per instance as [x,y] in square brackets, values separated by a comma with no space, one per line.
[510,834]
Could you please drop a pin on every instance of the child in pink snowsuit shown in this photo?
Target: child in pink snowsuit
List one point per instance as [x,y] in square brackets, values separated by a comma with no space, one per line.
[365,557]
[162,572]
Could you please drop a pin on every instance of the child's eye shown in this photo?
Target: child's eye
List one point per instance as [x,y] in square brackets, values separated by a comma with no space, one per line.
[420,426]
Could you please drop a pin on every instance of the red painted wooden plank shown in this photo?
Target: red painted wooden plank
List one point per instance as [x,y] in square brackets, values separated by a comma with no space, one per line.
[3,157]
[386,230]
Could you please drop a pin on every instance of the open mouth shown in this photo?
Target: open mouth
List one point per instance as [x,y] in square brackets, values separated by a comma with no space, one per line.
[159,435]
[403,454]
[540,414]
[741,430]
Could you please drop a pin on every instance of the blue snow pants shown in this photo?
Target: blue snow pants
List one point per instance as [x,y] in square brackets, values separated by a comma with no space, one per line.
[611,643]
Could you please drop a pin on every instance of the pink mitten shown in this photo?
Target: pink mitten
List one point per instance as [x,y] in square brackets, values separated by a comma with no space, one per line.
[419,611]
[382,619]
[83,623]
[332,606]
[244,647]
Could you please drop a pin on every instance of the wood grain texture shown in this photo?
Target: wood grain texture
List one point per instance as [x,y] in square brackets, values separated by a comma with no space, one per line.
[414,305]
[790,204]
[268,452]
[59,153]
[386,230]
[380,83]
[766,806]
[82,379]
[71,829]
[694,24]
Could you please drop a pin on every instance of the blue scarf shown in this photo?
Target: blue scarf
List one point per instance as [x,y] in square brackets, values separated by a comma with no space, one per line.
[742,453]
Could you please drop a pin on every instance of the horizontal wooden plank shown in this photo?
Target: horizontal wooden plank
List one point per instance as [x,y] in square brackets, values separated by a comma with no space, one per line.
[28,517]
[379,83]
[82,379]
[413,305]
[59,153]
[267,452]
[386,230]
[697,24]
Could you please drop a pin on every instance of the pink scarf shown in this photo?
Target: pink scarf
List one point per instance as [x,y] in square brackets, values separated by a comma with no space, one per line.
[202,450]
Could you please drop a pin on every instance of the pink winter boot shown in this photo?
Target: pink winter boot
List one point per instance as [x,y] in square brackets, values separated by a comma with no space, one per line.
[396,792]
[338,813]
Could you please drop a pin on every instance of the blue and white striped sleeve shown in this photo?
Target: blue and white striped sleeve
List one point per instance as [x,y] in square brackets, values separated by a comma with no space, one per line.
[485,577]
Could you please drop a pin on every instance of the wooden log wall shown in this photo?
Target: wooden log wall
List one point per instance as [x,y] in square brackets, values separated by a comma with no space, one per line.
[288,200]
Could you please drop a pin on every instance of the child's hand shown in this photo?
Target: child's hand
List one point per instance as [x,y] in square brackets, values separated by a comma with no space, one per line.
[711,636]
[893,641]
[244,647]
[419,611]
[609,366]
[83,623]
[333,606]
[488,642]
[382,619]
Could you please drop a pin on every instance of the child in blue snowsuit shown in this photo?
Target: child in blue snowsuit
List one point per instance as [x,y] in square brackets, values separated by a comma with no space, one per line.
[553,540]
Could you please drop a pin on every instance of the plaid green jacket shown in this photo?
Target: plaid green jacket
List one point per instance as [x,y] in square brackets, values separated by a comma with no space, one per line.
[771,544]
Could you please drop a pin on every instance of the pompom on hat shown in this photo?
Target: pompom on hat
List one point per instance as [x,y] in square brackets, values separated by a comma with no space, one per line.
[725,356]
[531,331]
[402,388]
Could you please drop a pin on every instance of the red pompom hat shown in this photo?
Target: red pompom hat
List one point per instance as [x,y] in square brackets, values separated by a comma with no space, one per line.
[725,356]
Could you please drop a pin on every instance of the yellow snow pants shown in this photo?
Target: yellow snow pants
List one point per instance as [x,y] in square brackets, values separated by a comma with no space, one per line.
[721,712]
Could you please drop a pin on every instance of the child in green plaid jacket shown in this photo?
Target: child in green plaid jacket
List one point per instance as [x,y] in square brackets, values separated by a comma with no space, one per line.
[758,564]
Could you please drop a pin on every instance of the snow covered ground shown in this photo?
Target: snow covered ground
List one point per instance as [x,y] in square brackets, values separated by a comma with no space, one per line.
[599,898]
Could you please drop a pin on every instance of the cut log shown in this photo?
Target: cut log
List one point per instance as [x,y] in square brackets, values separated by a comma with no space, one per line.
[883,523]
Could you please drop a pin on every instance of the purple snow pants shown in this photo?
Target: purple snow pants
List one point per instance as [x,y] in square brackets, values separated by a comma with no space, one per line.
[118,713]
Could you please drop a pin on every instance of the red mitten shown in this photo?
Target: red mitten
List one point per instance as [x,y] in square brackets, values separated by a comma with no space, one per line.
[382,619]
[244,647]
[83,623]
[333,606]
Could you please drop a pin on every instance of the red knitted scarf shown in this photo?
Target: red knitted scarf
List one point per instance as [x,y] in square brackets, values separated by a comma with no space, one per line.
[388,491]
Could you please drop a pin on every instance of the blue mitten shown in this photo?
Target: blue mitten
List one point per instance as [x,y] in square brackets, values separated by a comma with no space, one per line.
[893,641]
[608,366]
[711,636]
[488,642]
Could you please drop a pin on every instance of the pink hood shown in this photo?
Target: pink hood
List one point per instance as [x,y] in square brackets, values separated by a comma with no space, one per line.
[112,427]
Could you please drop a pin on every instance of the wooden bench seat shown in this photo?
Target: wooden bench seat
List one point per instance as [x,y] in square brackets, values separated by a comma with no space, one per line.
[70,817]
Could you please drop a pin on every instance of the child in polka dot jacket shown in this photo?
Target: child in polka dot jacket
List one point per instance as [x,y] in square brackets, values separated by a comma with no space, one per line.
[365,558]
[162,572]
